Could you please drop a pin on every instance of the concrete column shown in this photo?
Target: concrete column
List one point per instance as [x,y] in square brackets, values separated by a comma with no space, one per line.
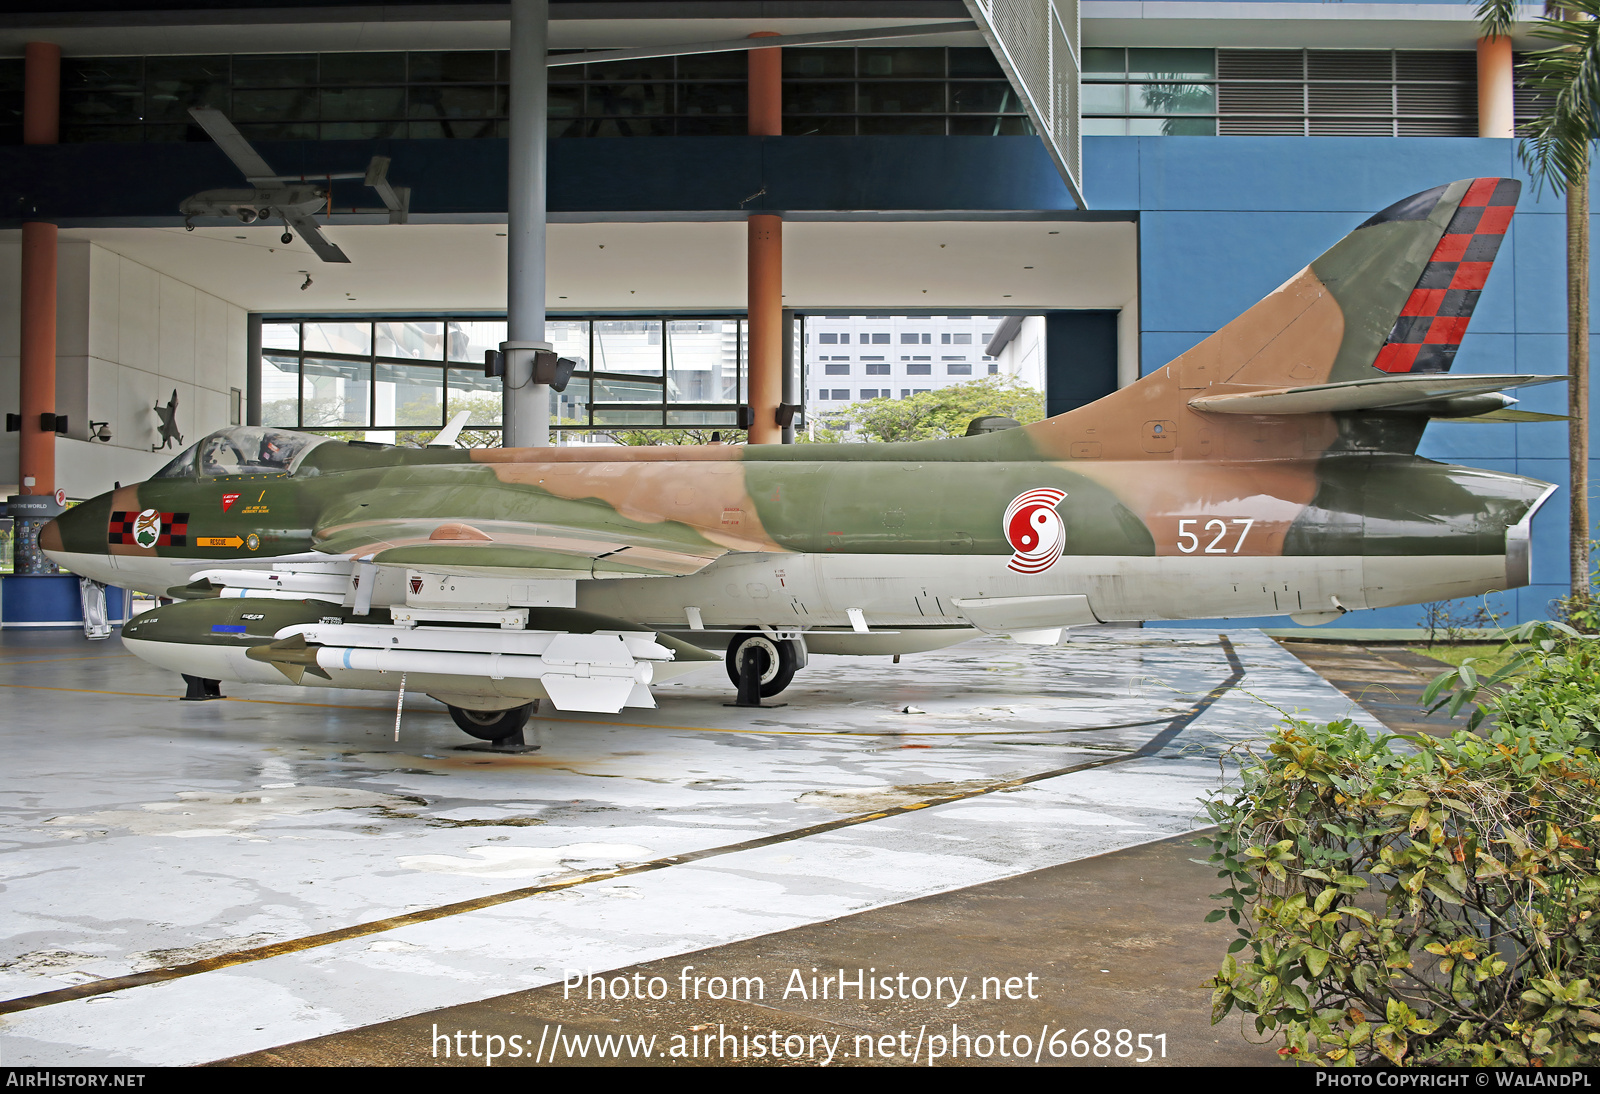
[252,368]
[1496,103]
[527,405]
[764,277]
[41,124]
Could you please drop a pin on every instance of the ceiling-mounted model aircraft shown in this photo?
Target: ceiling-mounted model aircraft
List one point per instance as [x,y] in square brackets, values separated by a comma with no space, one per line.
[294,199]
[1270,470]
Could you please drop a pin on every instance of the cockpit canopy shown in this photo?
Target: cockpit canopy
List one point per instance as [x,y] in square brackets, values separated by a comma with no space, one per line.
[242,450]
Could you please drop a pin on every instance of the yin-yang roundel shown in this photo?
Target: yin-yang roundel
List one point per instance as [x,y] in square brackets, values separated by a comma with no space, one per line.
[1035,530]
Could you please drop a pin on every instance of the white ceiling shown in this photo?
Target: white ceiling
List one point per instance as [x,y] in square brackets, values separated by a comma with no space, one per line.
[616,266]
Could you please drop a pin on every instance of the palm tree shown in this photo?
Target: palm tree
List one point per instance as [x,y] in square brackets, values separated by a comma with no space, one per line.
[1557,152]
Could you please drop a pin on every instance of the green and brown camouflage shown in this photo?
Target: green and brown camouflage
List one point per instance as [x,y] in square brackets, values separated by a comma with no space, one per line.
[1276,458]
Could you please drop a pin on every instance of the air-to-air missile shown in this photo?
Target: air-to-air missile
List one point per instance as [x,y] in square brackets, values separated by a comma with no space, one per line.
[1270,470]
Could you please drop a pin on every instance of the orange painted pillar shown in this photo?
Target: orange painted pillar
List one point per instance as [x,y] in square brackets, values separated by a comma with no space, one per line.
[764,276]
[1496,102]
[38,448]
[41,124]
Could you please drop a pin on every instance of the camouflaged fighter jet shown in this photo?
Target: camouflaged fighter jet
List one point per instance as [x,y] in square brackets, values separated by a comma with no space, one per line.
[1270,470]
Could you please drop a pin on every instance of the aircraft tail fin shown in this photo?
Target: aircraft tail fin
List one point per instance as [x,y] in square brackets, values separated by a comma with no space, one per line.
[1392,297]
[1350,354]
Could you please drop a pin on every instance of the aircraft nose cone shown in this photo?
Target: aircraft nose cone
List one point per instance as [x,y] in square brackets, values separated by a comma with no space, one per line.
[50,539]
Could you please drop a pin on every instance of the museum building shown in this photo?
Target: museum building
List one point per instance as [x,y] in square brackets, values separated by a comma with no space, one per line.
[1222,147]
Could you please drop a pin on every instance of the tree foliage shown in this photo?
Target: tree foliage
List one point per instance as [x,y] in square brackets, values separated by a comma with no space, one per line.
[944,412]
[1421,900]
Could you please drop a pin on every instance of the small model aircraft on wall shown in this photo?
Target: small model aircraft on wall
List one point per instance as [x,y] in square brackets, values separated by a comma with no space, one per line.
[1270,470]
[294,199]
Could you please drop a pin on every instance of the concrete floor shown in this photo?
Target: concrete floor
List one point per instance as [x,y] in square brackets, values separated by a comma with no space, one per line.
[192,882]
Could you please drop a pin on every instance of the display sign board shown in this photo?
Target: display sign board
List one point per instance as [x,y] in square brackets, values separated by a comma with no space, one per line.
[35,506]
[1036,42]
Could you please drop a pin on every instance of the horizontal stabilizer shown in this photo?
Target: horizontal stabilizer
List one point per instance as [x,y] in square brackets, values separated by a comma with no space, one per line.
[1378,393]
[1507,414]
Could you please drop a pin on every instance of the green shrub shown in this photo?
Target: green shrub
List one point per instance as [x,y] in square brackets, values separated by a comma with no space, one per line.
[1420,900]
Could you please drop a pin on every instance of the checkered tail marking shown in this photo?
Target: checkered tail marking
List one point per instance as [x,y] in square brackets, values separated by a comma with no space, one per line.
[1428,332]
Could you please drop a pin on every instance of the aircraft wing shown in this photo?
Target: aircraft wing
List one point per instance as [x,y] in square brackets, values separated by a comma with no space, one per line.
[311,232]
[1372,394]
[515,549]
[232,142]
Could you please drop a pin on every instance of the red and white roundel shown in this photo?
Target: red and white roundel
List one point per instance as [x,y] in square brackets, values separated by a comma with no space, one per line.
[1035,530]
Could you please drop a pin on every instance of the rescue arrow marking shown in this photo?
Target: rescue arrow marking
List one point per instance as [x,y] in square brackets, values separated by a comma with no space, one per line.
[219,541]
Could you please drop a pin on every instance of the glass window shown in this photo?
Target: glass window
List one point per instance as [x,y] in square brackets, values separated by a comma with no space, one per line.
[334,393]
[611,100]
[420,341]
[467,340]
[571,407]
[1105,98]
[819,98]
[976,61]
[362,103]
[1109,62]
[102,73]
[910,61]
[919,368]
[174,84]
[702,360]
[815,63]
[627,345]
[472,391]
[901,125]
[454,102]
[273,106]
[714,66]
[275,70]
[452,67]
[1173,98]
[712,99]
[996,98]
[363,68]
[1172,64]
[638,70]
[408,395]
[832,369]
[280,336]
[352,338]
[280,389]
[958,370]
[570,339]
[901,98]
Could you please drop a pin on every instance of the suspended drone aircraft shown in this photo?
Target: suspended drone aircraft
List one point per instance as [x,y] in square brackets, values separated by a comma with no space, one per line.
[294,199]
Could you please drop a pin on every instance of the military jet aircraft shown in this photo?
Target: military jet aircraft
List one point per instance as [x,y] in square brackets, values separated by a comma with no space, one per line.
[1270,470]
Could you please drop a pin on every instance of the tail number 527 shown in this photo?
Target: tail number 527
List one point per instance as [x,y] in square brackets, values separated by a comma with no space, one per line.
[1215,535]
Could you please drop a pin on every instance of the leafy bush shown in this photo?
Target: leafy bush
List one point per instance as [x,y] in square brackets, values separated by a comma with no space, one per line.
[1420,900]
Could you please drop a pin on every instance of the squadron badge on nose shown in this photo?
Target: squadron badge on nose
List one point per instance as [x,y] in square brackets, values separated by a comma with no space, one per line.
[1035,530]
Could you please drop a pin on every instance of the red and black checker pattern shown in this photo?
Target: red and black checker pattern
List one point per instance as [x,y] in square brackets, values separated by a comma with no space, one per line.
[1429,330]
[174,529]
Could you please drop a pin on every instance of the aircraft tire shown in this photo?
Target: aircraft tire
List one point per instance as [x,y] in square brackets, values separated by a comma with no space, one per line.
[782,660]
[492,725]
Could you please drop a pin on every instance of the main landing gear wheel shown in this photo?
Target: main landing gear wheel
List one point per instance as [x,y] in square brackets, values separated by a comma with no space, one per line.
[777,656]
[492,725]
